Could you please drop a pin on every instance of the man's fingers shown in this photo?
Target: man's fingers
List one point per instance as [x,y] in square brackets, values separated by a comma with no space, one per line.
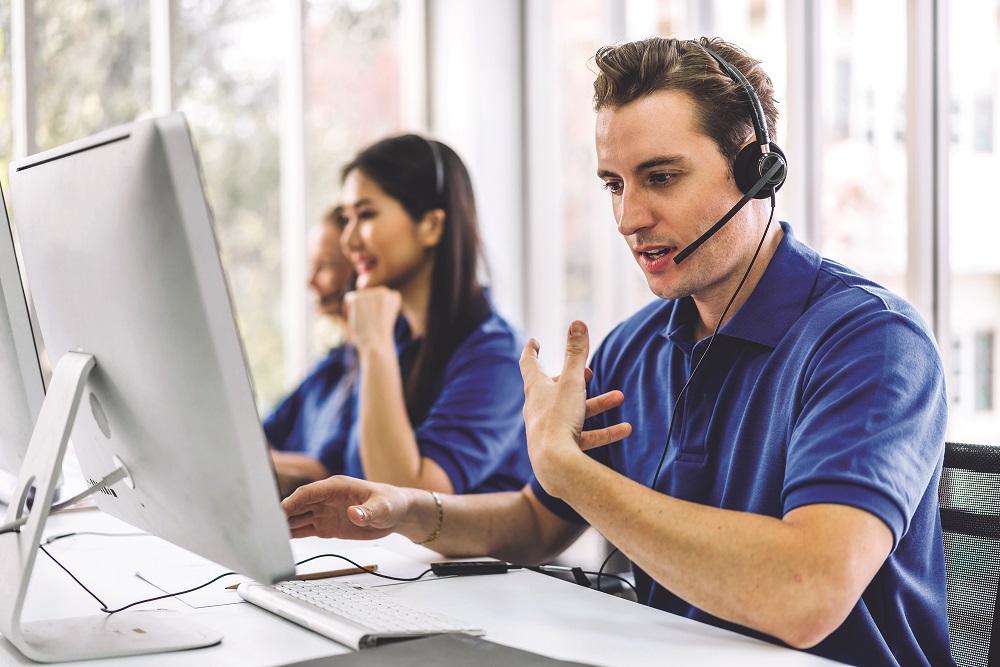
[577,349]
[605,436]
[530,367]
[301,519]
[588,375]
[604,402]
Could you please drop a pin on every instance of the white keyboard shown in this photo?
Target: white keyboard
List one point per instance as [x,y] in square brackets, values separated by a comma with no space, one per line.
[351,614]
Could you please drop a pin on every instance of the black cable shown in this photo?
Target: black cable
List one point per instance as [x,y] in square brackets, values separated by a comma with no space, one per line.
[105,609]
[680,394]
[362,567]
[614,576]
[46,552]
[600,572]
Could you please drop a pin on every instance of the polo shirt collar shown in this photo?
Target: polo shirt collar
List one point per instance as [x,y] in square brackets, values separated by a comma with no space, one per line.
[780,297]
[776,303]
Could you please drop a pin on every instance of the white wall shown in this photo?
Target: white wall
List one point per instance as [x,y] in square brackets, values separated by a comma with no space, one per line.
[475,106]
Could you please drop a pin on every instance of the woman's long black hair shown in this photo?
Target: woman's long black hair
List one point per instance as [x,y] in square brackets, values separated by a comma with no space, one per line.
[423,175]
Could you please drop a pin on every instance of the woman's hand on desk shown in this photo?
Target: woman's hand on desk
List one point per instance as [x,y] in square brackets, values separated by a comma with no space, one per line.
[356,509]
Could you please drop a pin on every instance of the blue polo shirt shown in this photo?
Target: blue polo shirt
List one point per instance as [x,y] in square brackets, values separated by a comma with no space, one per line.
[474,429]
[823,388]
[316,417]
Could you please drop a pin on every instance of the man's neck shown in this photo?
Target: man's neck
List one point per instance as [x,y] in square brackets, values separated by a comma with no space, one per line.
[711,310]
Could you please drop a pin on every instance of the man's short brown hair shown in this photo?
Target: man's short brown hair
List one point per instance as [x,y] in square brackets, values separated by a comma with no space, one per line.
[633,70]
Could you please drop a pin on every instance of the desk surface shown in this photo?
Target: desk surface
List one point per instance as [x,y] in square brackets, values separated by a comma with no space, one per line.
[523,609]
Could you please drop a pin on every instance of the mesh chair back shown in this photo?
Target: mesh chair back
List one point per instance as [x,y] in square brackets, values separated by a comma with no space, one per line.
[970,517]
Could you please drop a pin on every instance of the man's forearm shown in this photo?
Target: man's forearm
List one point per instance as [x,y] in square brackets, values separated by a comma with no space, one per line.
[503,525]
[794,578]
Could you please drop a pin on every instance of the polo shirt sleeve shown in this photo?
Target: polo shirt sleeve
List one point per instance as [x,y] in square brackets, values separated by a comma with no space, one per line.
[475,422]
[280,423]
[870,432]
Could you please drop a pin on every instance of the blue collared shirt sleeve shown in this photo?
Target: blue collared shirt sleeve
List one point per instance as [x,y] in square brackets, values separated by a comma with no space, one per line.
[475,430]
[871,427]
[315,418]
[280,423]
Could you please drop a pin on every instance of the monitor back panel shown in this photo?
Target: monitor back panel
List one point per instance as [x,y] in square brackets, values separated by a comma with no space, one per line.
[21,390]
[123,262]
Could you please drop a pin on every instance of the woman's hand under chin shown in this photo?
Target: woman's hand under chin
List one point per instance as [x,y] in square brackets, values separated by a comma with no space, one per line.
[371,316]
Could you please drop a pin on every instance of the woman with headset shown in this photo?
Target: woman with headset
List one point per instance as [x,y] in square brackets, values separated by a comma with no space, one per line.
[437,403]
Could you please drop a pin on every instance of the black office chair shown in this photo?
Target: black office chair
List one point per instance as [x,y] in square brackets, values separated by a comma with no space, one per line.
[970,517]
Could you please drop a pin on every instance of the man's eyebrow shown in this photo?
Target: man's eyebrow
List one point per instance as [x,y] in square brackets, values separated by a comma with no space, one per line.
[659,161]
[662,161]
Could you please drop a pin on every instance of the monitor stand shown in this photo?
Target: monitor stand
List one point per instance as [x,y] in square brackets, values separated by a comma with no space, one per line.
[82,638]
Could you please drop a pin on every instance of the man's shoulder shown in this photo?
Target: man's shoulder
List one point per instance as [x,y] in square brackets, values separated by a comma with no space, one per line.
[844,293]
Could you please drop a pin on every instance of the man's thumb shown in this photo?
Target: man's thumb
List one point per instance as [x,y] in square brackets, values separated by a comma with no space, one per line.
[577,345]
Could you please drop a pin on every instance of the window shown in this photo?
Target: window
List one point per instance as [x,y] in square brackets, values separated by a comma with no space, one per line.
[82,89]
[227,79]
[974,171]
[353,90]
[90,69]
[864,165]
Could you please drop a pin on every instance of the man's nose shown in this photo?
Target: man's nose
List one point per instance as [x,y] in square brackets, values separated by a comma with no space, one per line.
[633,211]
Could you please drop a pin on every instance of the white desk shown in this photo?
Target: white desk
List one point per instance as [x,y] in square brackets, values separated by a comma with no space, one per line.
[524,609]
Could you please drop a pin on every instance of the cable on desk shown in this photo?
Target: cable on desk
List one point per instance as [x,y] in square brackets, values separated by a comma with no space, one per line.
[105,609]
[362,567]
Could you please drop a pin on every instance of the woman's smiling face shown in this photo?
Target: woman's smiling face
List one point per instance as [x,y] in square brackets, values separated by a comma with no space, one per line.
[382,241]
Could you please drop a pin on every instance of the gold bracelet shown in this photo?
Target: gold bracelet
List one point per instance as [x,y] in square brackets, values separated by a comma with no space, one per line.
[437,531]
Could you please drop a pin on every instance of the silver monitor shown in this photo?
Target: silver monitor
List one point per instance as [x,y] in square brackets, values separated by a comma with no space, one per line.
[125,274]
[21,388]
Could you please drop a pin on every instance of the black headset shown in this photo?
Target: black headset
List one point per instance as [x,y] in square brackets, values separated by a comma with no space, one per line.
[759,169]
[755,160]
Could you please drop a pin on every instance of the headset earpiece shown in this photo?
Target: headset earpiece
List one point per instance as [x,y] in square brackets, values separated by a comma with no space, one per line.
[750,165]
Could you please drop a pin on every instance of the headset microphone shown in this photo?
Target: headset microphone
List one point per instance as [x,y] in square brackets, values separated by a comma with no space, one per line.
[768,176]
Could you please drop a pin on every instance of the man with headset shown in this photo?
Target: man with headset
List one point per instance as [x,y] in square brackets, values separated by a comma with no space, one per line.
[778,478]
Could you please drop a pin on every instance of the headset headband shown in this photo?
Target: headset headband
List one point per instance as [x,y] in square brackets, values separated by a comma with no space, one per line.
[757,111]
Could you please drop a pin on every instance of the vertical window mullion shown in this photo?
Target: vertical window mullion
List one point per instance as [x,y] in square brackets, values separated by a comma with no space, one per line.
[942,142]
[800,199]
[293,193]
[23,78]
[922,156]
[162,19]
[415,65]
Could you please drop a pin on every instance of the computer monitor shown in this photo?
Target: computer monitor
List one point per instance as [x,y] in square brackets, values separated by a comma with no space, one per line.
[21,384]
[124,268]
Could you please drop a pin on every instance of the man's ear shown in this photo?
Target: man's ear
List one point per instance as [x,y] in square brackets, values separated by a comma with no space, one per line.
[431,227]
